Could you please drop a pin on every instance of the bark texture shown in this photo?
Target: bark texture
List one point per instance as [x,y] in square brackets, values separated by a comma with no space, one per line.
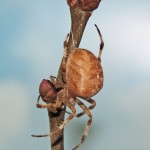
[79,20]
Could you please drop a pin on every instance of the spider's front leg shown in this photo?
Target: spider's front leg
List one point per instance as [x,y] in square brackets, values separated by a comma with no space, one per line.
[48,93]
[51,106]
[57,84]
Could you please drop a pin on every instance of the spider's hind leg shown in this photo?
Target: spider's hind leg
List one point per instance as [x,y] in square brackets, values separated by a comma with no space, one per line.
[72,108]
[86,131]
[93,104]
[89,100]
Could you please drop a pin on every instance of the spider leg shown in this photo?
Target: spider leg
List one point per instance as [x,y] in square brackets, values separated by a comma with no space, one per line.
[86,110]
[91,101]
[45,135]
[67,112]
[55,82]
[93,104]
[51,106]
[53,79]
[40,106]
[102,42]
[72,108]
[65,53]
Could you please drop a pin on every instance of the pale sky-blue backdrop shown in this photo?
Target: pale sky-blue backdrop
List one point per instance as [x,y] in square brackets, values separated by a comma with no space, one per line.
[31,47]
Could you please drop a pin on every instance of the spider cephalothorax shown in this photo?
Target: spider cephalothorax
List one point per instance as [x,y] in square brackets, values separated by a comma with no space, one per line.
[84,79]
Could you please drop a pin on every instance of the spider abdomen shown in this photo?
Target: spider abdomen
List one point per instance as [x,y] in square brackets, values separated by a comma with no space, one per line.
[84,73]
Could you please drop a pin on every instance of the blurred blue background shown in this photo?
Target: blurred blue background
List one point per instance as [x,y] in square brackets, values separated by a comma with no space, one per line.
[31,47]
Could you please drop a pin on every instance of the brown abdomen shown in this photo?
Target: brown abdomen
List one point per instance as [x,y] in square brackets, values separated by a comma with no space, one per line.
[84,73]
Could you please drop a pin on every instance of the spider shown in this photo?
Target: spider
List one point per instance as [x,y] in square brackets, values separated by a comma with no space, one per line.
[84,79]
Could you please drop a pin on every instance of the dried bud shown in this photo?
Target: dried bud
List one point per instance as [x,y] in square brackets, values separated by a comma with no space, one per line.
[89,5]
[72,3]
[47,91]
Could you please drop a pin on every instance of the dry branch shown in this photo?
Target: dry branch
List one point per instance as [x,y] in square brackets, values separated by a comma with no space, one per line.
[79,20]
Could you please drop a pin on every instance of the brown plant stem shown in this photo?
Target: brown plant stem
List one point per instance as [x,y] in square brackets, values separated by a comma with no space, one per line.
[79,20]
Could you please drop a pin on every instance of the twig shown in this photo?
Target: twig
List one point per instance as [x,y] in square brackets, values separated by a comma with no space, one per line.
[79,20]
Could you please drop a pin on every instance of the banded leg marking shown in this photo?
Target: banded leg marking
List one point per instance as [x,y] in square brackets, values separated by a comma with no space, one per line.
[93,104]
[67,120]
[86,131]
